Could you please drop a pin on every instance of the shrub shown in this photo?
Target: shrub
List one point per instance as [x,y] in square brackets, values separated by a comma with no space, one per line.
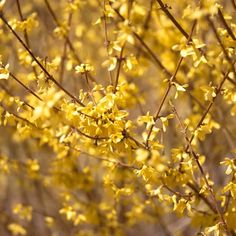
[117,117]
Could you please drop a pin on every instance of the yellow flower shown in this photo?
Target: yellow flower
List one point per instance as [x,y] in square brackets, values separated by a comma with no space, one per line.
[82,68]
[4,72]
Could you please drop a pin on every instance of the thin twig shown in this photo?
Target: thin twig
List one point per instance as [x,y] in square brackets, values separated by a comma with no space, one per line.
[221,45]
[17,116]
[209,106]
[204,198]
[230,32]
[120,59]
[22,19]
[175,22]
[22,84]
[234,4]
[10,94]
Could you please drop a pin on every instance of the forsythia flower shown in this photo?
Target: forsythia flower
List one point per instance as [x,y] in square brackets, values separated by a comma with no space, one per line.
[2,3]
[82,68]
[17,229]
[4,72]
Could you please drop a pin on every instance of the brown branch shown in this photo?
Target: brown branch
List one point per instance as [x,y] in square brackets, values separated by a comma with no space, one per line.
[120,59]
[24,86]
[204,198]
[89,88]
[149,15]
[10,94]
[209,106]
[234,4]
[230,32]
[152,54]
[174,21]
[182,195]
[221,45]
[231,81]
[17,116]
[228,197]
[136,141]
[22,19]
[218,38]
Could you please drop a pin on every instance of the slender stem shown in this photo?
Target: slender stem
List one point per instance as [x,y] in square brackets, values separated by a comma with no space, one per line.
[209,106]
[23,85]
[164,7]
[234,4]
[149,15]
[27,88]
[89,88]
[174,21]
[10,94]
[228,197]
[230,32]
[136,141]
[152,54]
[186,196]
[120,59]
[204,198]
[22,19]
[231,81]
[63,59]
[17,116]
[221,45]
